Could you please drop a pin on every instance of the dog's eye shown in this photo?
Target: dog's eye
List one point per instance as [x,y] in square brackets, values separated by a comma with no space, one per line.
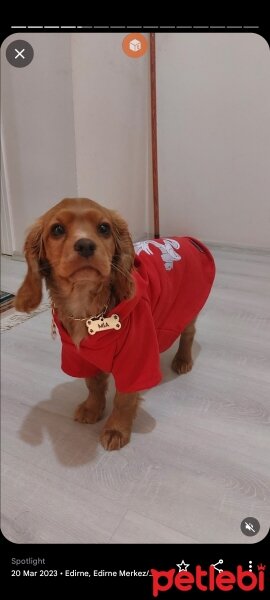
[104,228]
[57,230]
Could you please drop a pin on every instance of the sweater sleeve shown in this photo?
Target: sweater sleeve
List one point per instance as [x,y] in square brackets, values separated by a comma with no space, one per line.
[136,364]
[74,364]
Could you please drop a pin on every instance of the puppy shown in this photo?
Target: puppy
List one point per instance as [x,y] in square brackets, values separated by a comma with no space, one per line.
[116,306]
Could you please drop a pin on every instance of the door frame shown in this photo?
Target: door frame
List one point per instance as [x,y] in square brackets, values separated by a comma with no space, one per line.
[7,232]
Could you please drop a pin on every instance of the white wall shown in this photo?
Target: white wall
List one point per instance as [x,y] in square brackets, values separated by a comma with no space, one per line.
[214,137]
[38,130]
[76,123]
[111,111]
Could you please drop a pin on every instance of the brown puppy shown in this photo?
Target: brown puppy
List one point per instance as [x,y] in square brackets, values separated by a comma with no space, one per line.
[85,253]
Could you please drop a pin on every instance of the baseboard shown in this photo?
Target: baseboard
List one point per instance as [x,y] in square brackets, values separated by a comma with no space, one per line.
[237,247]
[18,256]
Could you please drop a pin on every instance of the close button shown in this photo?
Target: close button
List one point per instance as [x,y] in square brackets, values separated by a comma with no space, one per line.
[19,53]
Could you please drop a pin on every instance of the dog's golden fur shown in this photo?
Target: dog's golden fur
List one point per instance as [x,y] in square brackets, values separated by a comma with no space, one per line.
[81,286]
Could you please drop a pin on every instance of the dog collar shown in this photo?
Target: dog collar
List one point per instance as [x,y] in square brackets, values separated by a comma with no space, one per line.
[95,323]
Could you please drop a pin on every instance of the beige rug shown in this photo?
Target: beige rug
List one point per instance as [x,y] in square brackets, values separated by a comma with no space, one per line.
[10,318]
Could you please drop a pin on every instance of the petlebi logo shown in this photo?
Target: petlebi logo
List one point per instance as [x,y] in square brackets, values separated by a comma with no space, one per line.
[212,578]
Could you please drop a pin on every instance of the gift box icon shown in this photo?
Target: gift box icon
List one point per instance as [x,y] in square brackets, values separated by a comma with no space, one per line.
[135,45]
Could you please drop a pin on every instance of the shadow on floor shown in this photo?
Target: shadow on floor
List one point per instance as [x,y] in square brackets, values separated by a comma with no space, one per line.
[74,443]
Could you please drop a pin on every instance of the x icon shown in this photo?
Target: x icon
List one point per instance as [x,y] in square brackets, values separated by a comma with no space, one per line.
[19,53]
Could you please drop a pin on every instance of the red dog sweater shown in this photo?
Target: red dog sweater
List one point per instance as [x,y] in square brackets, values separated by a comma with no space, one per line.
[173,278]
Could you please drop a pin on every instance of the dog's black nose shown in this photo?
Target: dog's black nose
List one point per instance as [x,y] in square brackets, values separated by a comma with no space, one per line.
[85,247]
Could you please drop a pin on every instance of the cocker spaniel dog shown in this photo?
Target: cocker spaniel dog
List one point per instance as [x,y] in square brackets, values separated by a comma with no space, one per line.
[116,305]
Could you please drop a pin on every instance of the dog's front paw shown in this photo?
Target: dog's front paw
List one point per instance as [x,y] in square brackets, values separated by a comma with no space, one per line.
[111,439]
[84,414]
[181,366]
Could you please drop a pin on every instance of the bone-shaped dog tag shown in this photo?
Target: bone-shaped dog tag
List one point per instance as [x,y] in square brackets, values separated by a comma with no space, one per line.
[95,325]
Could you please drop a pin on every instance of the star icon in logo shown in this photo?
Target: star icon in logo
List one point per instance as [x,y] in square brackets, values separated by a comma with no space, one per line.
[183,566]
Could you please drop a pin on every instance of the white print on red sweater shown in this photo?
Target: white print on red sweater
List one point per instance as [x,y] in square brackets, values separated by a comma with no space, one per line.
[168,254]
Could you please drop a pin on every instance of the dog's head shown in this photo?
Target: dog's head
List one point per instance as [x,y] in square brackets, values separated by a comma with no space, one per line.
[77,242]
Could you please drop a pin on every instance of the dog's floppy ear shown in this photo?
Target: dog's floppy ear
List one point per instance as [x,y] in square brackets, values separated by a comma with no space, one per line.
[123,259]
[30,293]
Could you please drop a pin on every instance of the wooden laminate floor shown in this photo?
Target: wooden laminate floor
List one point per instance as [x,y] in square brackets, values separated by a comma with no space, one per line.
[198,461]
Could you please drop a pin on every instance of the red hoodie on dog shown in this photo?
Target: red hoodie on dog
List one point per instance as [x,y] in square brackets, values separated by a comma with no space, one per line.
[173,278]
